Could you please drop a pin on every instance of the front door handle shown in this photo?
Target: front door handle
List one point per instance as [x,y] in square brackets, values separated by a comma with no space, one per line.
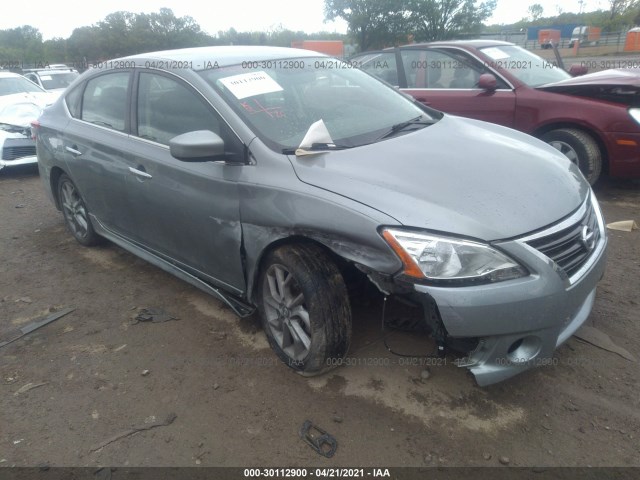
[140,173]
[74,150]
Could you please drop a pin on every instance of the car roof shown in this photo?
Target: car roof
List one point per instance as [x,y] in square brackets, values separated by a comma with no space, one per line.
[55,71]
[465,43]
[9,74]
[200,57]
[449,43]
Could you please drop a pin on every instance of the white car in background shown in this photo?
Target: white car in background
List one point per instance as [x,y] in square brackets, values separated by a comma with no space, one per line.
[53,79]
[21,102]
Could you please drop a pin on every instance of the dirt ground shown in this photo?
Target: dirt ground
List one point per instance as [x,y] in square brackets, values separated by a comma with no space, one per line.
[95,388]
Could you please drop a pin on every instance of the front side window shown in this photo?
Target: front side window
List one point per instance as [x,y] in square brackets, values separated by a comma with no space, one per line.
[105,100]
[430,69]
[167,108]
[441,69]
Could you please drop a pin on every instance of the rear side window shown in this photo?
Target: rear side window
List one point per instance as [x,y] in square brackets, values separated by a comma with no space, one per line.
[381,65]
[104,101]
[73,99]
[32,77]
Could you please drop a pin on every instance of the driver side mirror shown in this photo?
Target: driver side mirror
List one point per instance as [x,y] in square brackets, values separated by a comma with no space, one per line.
[488,82]
[197,146]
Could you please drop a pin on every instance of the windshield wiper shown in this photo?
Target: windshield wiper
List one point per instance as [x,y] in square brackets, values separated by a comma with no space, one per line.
[317,147]
[414,122]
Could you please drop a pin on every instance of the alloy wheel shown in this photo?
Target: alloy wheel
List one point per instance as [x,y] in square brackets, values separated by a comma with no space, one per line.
[74,210]
[286,313]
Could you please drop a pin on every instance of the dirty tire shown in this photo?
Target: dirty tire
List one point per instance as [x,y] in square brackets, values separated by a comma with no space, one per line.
[304,308]
[76,214]
[580,148]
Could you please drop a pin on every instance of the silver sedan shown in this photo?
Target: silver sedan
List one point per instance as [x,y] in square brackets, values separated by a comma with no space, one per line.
[268,176]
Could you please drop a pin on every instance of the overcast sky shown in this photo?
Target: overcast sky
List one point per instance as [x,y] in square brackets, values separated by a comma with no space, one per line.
[58,18]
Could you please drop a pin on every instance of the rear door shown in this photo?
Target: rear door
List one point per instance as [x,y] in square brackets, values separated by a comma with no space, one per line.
[96,144]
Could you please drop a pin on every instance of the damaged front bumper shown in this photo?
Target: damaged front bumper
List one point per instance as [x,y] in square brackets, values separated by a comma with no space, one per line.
[519,323]
[16,149]
[28,160]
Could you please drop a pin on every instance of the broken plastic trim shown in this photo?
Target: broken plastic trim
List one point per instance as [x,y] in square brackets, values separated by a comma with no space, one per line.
[325,444]
[30,327]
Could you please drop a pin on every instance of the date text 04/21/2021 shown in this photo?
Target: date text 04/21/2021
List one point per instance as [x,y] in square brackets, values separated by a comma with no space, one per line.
[316,472]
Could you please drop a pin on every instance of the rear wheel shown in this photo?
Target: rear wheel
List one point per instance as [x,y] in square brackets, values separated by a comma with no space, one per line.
[76,215]
[580,148]
[305,308]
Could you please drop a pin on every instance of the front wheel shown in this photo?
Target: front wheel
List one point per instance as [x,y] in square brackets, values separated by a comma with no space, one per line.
[303,302]
[580,148]
[76,214]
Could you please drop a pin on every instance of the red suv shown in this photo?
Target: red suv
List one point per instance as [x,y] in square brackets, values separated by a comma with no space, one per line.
[593,119]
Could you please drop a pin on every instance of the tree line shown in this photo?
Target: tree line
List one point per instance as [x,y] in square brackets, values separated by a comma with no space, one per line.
[619,16]
[380,23]
[372,24]
[125,33]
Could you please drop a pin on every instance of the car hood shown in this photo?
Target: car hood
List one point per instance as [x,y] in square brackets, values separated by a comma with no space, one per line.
[20,109]
[620,76]
[618,86]
[458,176]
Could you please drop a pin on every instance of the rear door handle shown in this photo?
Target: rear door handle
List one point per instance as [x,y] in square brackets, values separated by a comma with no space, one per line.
[74,150]
[140,173]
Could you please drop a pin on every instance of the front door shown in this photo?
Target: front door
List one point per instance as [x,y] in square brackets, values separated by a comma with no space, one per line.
[447,80]
[187,212]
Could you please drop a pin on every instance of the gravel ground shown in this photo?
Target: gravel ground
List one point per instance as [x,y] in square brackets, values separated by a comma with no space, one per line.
[96,388]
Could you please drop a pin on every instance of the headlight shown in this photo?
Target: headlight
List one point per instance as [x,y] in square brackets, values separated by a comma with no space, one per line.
[449,260]
[635,114]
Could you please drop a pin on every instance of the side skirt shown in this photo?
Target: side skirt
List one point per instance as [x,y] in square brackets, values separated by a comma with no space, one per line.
[241,308]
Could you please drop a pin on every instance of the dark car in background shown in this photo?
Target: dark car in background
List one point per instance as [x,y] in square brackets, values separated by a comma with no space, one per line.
[593,119]
[268,176]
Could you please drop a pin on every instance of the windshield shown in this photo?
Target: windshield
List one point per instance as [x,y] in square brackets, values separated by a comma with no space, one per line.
[17,84]
[281,99]
[524,65]
[51,81]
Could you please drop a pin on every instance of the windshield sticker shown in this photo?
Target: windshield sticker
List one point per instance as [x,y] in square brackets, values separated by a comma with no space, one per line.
[495,53]
[250,84]
[45,77]
[253,106]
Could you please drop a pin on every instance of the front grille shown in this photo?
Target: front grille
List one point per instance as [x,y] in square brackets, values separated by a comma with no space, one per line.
[571,247]
[12,153]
